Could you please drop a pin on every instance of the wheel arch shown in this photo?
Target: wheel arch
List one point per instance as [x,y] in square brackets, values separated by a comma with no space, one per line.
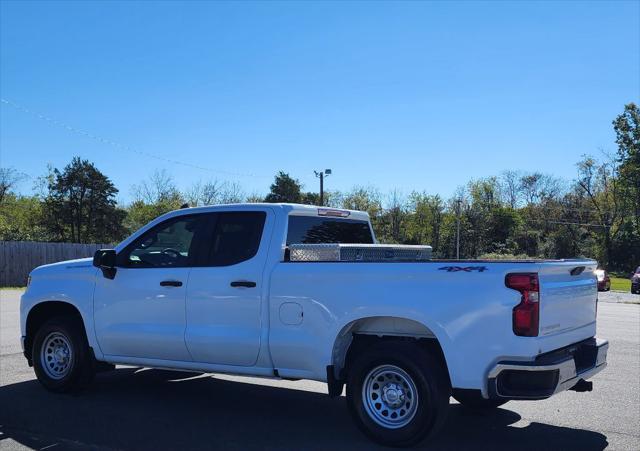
[42,312]
[362,332]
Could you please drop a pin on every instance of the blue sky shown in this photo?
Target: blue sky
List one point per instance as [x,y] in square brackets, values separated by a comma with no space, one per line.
[407,96]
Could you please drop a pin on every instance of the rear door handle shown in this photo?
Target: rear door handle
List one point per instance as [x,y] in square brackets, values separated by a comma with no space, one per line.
[243,283]
[170,283]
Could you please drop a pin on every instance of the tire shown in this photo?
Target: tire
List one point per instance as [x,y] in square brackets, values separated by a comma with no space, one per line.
[477,402]
[61,357]
[410,384]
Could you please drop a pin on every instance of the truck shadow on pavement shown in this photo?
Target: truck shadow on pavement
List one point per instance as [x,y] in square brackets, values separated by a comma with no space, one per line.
[151,409]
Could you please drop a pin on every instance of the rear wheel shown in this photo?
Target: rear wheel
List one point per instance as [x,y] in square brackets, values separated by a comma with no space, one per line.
[397,393]
[61,357]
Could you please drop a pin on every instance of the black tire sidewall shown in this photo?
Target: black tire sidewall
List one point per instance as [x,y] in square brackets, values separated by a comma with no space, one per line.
[429,381]
[81,370]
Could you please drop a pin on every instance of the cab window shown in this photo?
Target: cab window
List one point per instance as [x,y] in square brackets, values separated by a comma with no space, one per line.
[320,230]
[236,237]
[172,243]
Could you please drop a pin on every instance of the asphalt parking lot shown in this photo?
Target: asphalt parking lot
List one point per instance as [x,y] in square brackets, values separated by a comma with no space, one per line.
[132,408]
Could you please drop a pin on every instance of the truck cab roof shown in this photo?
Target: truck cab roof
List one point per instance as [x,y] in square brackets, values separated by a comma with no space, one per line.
[287,208]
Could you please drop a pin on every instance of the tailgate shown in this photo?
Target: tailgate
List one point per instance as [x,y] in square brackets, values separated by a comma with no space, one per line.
[568,295]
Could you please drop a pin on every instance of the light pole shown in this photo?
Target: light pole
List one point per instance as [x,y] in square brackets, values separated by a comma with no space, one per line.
[321,175]
[458,201]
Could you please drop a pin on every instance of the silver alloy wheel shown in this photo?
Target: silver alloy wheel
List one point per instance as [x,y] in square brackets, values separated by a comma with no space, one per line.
[390,396]
[56,355]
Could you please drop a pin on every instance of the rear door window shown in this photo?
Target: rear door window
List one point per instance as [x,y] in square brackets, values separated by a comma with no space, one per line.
[317,230]
[236,237]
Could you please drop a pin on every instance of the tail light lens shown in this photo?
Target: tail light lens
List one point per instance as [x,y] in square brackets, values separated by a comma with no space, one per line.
[526,315]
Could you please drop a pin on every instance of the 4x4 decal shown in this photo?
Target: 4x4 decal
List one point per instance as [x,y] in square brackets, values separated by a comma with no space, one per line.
[464,268]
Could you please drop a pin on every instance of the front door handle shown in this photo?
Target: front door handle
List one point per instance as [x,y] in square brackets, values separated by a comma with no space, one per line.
[243,283]
[170,283]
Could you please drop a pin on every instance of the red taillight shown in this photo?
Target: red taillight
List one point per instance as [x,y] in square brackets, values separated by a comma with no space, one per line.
[526,314]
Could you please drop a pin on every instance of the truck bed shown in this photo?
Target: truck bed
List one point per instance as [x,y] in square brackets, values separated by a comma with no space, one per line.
[463,303]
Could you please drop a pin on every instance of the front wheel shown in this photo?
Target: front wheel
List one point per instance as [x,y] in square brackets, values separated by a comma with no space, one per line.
[397,393]
[61,357]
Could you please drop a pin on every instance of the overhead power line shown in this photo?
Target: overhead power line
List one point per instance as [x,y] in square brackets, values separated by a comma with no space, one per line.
[548,221]
[119,146]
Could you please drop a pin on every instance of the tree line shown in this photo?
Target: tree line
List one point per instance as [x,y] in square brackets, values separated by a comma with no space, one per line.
[514,214]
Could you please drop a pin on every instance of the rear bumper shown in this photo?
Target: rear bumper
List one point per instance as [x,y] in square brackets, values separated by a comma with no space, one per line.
[549,373]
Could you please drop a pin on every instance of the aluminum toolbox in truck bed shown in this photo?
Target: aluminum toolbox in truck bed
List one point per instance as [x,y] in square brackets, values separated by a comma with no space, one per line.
[358,253]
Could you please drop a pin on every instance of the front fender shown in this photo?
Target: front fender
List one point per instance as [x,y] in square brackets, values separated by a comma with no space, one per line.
[70,282]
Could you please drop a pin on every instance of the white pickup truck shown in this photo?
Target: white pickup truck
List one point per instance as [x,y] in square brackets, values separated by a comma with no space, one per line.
[264,290]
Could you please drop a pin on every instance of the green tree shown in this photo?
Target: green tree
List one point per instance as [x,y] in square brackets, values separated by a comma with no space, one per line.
[391,223]
[80,205]
[482,198]
[627,129]
[364,199]
[21,218]
[310,198]
[285,189]
[424,222]
[601,190]
[254,198]
[9,178]
[212,192]
[537,187]
[154,197]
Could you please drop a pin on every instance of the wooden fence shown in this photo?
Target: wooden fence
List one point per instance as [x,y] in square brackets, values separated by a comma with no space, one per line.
[18,258]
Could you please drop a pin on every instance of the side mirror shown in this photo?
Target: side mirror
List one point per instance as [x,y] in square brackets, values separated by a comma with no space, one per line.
[105,259]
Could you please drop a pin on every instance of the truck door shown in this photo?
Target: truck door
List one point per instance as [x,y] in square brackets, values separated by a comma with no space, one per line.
[224,294]
[141,311]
